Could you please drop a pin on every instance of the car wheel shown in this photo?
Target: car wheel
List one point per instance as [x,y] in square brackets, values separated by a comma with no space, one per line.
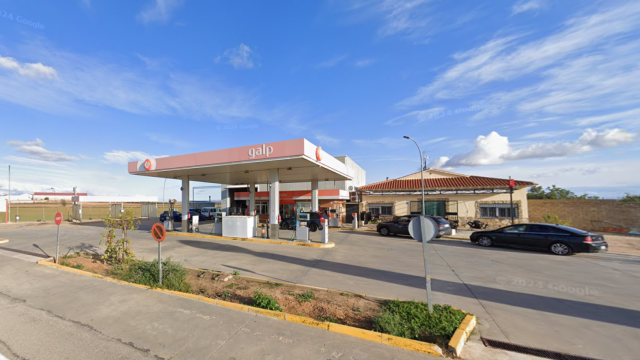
[384,231]
[560,249]
[284,226]
[485,241]
[313,227]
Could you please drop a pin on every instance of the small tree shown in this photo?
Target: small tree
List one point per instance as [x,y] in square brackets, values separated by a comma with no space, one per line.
[119,250]
[63,202]
[628,198]
[46,198]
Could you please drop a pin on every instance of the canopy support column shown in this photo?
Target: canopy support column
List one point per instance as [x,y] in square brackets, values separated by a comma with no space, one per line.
[274,203]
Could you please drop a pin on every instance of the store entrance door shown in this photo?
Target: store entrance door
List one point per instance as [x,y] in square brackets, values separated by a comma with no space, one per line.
[351,208]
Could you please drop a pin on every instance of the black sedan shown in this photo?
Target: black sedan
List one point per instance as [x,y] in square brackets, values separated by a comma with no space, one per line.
[558,239]
[400,226]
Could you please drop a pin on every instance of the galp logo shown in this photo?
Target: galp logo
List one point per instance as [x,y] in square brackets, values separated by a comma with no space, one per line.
[258,151]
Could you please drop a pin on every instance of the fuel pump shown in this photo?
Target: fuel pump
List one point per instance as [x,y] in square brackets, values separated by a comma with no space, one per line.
[302,229]
[172,204]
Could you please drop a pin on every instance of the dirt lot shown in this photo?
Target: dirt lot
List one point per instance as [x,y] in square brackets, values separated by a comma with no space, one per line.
[626,244]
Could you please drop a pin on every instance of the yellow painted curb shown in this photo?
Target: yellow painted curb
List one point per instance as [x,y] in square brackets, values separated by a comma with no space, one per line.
[4,241]
[265,312]
[307,321]
[235,306]
[208,300]
[356,332]
[414,345]
[462,334]
[427,348]
[277,242]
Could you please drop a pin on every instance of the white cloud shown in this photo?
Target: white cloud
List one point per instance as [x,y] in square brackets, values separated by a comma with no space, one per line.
[547,134]
[504,59]
[159,10]
[382,143]
[436,140]
[123,157]
[35,150]
[126,88]
[496,149]
[332,62]
[241,57]
[34,70]
[327,139]
[527,5]
[418,116]
[364,62]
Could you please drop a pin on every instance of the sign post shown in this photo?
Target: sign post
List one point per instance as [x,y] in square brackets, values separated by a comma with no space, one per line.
[58,222]
[159,233]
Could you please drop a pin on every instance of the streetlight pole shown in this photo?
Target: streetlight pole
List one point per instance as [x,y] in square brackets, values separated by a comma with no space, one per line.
[9,193]
[423,230]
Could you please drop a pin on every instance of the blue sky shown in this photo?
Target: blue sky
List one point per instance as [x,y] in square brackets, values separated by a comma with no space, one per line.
[541,90]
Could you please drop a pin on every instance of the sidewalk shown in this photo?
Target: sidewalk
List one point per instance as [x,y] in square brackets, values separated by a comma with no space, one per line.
[62,315]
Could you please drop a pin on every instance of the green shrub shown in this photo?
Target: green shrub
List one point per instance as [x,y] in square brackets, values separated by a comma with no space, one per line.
[64,263]
[226,294]
[412,320]
[235,273]
[265,301]
[78,266]
[306,296]
[174,275]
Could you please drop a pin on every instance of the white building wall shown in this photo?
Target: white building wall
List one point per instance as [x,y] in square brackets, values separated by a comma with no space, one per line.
[353,169]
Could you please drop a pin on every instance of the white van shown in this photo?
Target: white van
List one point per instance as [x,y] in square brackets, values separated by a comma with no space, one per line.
[208,212]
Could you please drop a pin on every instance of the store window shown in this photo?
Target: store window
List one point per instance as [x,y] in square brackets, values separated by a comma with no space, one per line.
[498,211]
[381,209]
[262,207]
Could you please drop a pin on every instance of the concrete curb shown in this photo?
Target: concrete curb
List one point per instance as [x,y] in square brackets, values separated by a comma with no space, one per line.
[4,241]
[276,242]
[463,332]
[350,229]
[407,344]
[455,237]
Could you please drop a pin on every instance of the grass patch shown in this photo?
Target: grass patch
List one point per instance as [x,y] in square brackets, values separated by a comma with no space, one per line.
[78,266]
[265,301]
[226,294]
[64,263]
[235,273]
[412,320]
[327,319]
[305,296]
[174,275]
[231,286]
[344,294]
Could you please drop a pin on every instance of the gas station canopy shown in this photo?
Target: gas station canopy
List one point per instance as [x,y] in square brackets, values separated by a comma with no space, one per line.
[297,161]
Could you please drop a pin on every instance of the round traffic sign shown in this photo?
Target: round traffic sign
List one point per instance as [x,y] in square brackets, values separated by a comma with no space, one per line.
[58,218]
[158,232]
[430,228]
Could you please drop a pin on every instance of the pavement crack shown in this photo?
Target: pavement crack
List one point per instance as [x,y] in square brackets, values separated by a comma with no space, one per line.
[83,325]
[229,338]
[472,293]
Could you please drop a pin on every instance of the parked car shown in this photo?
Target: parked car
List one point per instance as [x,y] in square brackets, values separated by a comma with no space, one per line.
[400,226]
[177,216]
[558,239]
[208,213]
[313,224]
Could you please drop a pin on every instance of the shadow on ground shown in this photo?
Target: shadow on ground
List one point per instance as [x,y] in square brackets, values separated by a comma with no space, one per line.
[579,309]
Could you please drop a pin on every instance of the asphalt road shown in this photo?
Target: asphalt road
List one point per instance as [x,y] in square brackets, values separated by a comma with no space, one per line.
[584,304]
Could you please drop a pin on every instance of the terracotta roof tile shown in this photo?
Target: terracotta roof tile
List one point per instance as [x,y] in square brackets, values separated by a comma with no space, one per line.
[467,182]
